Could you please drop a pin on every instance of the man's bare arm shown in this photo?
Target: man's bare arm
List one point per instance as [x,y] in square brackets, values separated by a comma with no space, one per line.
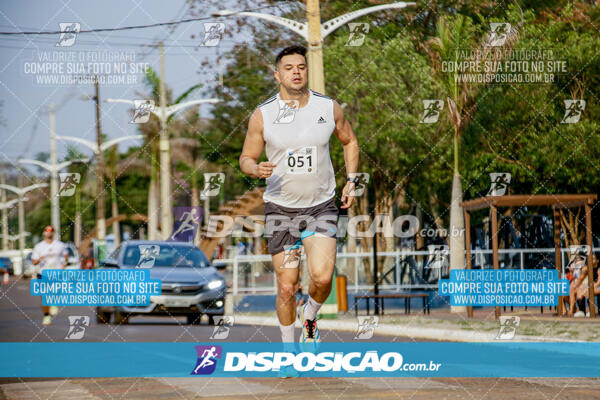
[253,148]
[343,131]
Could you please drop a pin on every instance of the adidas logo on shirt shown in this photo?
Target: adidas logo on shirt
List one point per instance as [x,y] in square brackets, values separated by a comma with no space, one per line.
[321,120]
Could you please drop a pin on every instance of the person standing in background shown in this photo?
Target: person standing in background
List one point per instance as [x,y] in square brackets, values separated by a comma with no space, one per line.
[49,254]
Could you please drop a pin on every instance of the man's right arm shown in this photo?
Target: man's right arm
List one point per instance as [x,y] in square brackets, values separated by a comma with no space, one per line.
[253,148]
[35,255]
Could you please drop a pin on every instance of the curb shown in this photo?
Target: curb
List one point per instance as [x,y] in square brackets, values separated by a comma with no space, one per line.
[446,335]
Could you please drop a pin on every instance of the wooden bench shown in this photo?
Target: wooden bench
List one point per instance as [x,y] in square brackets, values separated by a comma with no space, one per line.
[405,296]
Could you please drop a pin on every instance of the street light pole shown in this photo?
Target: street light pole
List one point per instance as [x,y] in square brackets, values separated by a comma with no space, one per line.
[166,220]
[314,32]
[53,169]
[316,75]
[165,175]
[100,213]
[98,148]
[5,206]
[20,192]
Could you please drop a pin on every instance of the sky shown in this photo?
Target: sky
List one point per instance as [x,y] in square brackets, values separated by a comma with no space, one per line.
[26,96]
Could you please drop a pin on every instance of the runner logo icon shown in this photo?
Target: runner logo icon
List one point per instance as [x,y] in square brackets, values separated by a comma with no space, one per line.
[207,359]
[77,325]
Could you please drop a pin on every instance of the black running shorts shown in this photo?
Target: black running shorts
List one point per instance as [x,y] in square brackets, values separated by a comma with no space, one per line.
[286,227]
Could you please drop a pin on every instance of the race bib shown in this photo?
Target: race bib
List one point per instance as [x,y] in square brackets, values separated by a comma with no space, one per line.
[302,161]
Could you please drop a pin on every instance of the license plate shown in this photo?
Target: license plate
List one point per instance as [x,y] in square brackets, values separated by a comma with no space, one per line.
[175,303]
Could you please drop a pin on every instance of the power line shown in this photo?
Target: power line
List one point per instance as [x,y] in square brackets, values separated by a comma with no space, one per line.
[183,21]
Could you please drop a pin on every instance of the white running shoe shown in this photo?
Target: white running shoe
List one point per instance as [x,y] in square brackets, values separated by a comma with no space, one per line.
[6,278]
[310,337]
[53,310]
[579,314]
[47,320]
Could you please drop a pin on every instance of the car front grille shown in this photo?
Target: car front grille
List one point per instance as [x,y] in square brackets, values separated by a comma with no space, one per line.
[181,290]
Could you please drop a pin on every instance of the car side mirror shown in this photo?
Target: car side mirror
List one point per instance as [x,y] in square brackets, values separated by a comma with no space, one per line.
[108,263]
[220,266]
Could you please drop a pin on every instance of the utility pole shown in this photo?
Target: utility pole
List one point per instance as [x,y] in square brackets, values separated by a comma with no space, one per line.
[166,217]
[54,206]
[100,214]
[316,76]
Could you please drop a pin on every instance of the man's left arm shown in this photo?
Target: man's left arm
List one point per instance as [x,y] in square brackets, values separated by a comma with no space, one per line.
[343,131]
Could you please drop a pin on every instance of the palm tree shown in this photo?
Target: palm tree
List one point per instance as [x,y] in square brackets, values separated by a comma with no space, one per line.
[81,169]
[453,35]
[111,159]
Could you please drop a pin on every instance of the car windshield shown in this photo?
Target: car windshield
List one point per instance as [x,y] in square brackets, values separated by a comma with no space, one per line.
[171,255]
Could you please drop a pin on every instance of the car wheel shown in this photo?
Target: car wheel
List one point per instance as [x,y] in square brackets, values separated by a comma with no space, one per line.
[194,319]
[121,318]
[103,317]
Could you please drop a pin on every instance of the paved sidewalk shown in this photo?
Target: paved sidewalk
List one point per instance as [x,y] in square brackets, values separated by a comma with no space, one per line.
[443,325]
[302,388]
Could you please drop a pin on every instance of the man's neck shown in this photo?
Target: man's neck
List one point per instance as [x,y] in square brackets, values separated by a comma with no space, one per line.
[301,95]
[49,241]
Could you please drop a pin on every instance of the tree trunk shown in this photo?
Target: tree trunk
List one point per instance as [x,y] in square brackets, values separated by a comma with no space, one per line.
[456,232]
[195,201]
[420,240]
[351,263]
[153,208]
[570,227]
[116,228]
[365,242]
[387,242]
[77,230]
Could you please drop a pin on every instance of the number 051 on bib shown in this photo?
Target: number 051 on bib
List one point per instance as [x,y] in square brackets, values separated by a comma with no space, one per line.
[302,161]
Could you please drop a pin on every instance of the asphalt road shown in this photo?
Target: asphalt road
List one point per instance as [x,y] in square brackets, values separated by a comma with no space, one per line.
[21,321]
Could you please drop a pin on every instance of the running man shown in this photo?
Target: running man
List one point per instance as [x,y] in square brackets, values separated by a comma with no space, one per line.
[49,254]
[296,125]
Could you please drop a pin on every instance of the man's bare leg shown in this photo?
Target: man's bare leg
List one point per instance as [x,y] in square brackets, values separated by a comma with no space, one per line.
[287,286]
[320,255]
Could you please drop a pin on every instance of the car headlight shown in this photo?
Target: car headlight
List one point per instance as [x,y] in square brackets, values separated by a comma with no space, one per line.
[215,284]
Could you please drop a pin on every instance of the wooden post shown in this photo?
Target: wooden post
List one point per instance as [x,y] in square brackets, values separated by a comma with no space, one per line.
[468,245]
[588,240]
[316,76]
[495,247]
[557,254]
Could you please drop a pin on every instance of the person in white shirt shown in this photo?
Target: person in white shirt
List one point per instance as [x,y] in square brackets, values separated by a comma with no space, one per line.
[294,128]
[49,254]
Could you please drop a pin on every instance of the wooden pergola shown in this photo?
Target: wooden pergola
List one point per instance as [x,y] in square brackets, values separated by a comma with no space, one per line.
[556,201]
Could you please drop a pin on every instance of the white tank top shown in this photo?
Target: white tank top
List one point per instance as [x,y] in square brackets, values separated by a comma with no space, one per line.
[297,141]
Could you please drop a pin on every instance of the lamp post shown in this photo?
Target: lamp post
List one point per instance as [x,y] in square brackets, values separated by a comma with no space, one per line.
[98,149]
[5,206]
[12,238]
[314,32]
[163,114]
[20,192]
[53,168]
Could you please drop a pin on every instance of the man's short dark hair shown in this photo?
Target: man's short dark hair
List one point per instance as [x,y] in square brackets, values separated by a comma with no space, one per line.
[295,49]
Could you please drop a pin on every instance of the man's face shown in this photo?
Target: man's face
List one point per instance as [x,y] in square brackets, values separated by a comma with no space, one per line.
[292,72]
[47,234]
